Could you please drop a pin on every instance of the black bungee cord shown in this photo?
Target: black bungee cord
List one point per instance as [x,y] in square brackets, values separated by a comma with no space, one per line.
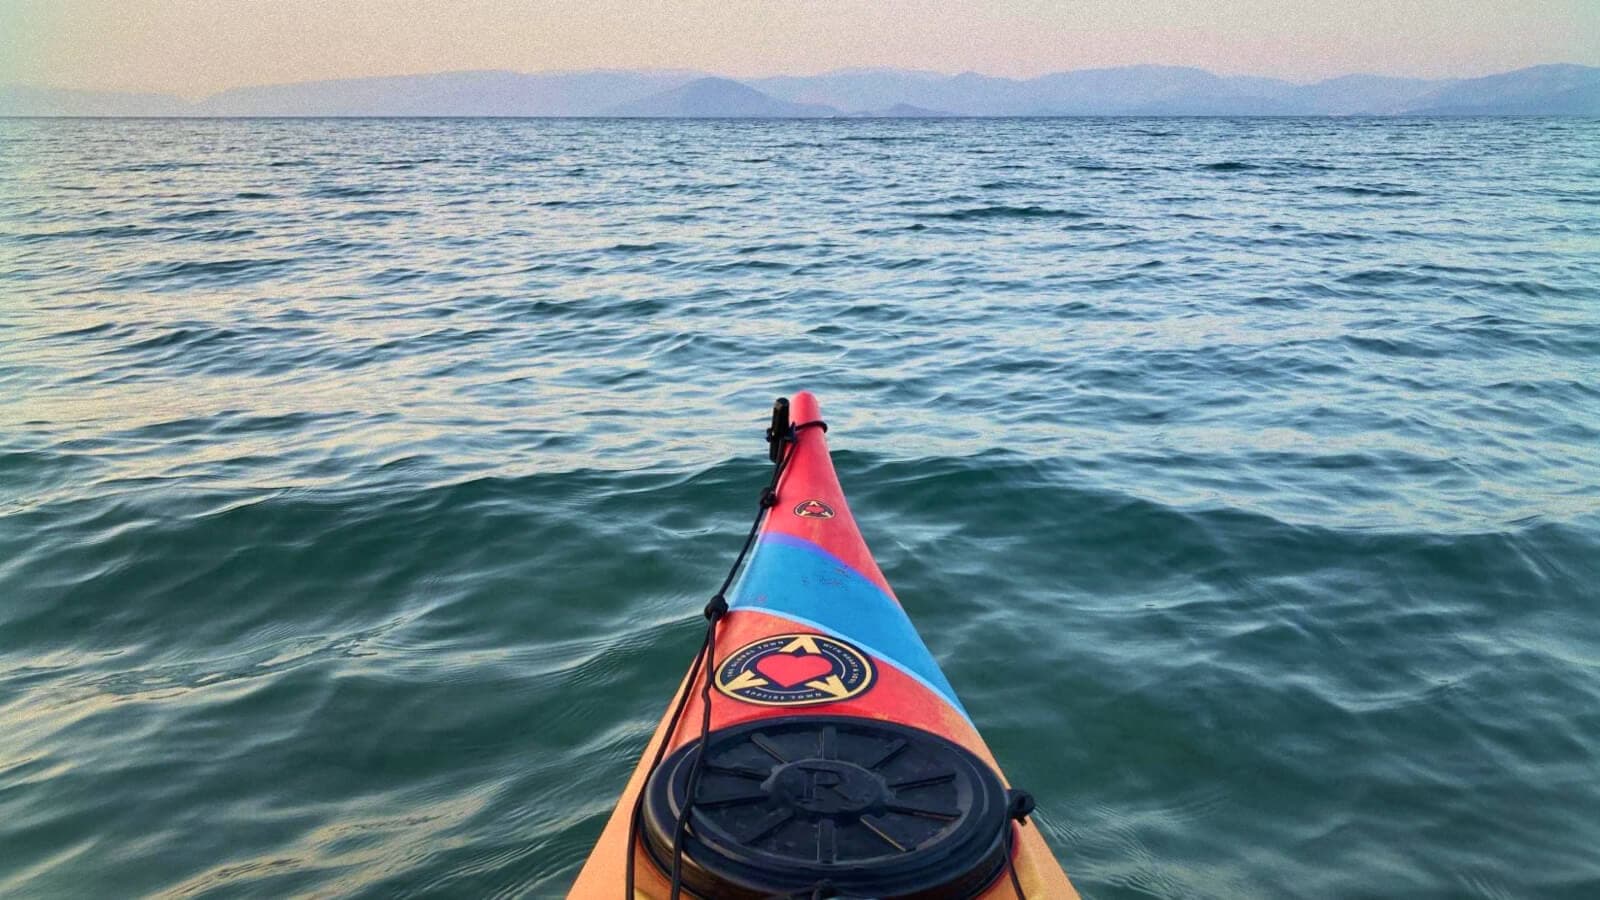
[781,440]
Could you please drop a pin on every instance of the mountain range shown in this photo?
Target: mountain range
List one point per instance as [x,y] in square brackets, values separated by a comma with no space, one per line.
[1555,89]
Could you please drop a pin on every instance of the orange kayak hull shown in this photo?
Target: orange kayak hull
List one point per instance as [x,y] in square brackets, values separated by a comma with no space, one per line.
[813,629]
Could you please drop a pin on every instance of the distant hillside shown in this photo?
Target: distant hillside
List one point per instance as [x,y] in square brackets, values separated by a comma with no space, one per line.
[446,94]
[718,98]
[1559,90]
[902,111]
[1128,90]
[1360,95]
[854,89]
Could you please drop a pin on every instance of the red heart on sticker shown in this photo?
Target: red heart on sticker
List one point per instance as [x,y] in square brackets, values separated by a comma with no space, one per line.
[790,669]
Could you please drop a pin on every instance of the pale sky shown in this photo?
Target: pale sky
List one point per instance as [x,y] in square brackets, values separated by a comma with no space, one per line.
[198,47]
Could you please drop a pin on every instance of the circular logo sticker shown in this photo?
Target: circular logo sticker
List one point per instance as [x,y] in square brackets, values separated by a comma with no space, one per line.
[814,509]
[795,670]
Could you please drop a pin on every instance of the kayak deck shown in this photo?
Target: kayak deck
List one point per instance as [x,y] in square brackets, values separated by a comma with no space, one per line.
[812,629]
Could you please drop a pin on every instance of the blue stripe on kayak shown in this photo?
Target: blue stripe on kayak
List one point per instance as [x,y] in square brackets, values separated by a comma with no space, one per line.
[796,579]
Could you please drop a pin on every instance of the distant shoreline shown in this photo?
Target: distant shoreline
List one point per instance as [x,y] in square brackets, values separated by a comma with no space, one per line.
[1040,118]
[1130,91]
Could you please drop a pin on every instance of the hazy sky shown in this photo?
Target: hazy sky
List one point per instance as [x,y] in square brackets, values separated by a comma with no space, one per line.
[198,47]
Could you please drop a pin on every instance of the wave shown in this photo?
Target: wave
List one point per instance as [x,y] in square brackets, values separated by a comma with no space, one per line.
[981,213]
[193,272]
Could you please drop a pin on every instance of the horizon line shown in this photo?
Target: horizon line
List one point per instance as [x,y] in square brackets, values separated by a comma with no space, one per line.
[702,73]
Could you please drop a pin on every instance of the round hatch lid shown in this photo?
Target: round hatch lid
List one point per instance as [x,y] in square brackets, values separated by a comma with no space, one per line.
[872,808]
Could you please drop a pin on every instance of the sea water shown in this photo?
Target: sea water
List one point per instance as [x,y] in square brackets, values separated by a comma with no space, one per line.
[361,483]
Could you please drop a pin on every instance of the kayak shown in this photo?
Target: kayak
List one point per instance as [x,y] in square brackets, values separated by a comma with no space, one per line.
[815,744]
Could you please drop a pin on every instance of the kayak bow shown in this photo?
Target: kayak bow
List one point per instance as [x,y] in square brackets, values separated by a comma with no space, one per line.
[838,761]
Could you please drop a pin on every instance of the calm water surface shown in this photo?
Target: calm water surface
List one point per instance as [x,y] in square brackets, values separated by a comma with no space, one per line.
[361,483]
